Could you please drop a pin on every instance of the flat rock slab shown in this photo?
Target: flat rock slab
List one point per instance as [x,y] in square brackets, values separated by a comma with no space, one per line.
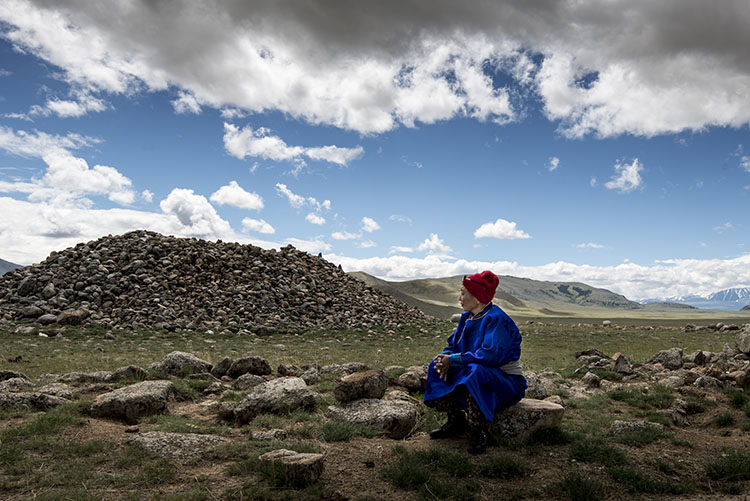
[177,445]
[135,401]
[394,418]
[518,422]
[294,468]
[35,401]
[284,393]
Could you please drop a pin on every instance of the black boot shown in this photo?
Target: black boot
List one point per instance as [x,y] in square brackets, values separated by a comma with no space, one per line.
[478,436]
[455,426]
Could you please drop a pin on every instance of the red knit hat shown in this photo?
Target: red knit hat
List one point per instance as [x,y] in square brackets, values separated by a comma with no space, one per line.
[482,285]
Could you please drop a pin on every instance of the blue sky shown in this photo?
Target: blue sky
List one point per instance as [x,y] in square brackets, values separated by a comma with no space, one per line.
[559,141]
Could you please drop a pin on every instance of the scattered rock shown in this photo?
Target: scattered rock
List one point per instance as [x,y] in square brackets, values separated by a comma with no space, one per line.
[249,365]
[621,427]
[289,370]
[33,401]
[621,364]
[591,380]
[135,401]
[518,422]
[266,435]
[742,341]
[294,468]
[177,445]
[670,359]
[414,379]
[273,396]
[180,364]
[344,369]
[6,374]
[222,367]
[395,418]
[247,381]
[15,384]
[368,384]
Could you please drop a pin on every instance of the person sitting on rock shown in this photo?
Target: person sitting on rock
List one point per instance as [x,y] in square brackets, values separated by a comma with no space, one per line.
[479,372]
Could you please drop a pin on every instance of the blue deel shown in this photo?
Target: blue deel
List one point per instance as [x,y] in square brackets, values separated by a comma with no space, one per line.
[478,348]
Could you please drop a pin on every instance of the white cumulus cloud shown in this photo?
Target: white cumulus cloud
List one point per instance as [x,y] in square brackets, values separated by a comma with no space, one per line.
[553,164]
[589,245]
[259,225]
[233,194]
[369,225]
[434,245]
[259,143]
[500,229]
[313,218]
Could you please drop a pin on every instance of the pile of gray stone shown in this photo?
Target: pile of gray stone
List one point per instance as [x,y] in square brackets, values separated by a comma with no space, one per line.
[143,279]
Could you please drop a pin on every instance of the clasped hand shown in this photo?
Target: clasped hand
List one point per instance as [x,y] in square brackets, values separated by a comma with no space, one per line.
[442,364]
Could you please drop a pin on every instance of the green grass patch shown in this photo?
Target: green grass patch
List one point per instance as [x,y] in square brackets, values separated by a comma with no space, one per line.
[502,467]
[636,481]
[657,396]
[596,450]
[724,419]
[696,404]
[181,424]
[640,438]
[737,397]
[340,431]
[579,487]
[746,408]
[416,469]
[551,436]
[730,465]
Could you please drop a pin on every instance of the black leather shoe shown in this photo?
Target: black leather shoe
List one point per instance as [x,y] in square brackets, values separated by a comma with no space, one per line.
[478,440]
[455,426]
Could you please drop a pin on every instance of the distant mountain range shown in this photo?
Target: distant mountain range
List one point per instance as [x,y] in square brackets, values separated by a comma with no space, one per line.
[439,296]
[735,298]
[6,266]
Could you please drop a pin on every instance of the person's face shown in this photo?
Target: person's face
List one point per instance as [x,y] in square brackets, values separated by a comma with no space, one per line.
[468,302]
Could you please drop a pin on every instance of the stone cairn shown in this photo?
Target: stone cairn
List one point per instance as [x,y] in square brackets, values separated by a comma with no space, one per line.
[143,279]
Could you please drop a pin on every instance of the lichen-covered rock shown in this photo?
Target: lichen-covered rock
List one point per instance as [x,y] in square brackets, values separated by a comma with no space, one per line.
[621,427]
[222,367]
[85,377]
[6,374]
[368,384]
[708,382]
[395,418]
[135,401]
[536,388]
[247,381]
[670,359]
[292,468]
[289,370]
[414,379]
[33,401]
[273,434]
[621,364]
[344,369]
[128,373]
[249,365]
[311,375]
[180,364]
[591,380]
[59,390]
[521,420]
[742,341]
[72,317]
[273,396]
[15,384]
[177,445]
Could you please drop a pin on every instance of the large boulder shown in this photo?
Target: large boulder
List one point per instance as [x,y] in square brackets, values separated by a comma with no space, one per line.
[742,341]
[135,401]
[297,469]
[670,359]
[368,384]
[284,393]
[180,364]
[394,417]
[249,365]
[518,422]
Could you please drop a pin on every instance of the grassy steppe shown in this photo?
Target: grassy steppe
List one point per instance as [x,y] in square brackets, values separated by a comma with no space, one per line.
[65,454]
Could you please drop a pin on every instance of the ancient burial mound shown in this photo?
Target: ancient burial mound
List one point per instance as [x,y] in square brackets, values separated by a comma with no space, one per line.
[143,279]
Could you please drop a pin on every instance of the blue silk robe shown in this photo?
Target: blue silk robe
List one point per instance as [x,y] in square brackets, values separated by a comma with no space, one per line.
[483,344]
